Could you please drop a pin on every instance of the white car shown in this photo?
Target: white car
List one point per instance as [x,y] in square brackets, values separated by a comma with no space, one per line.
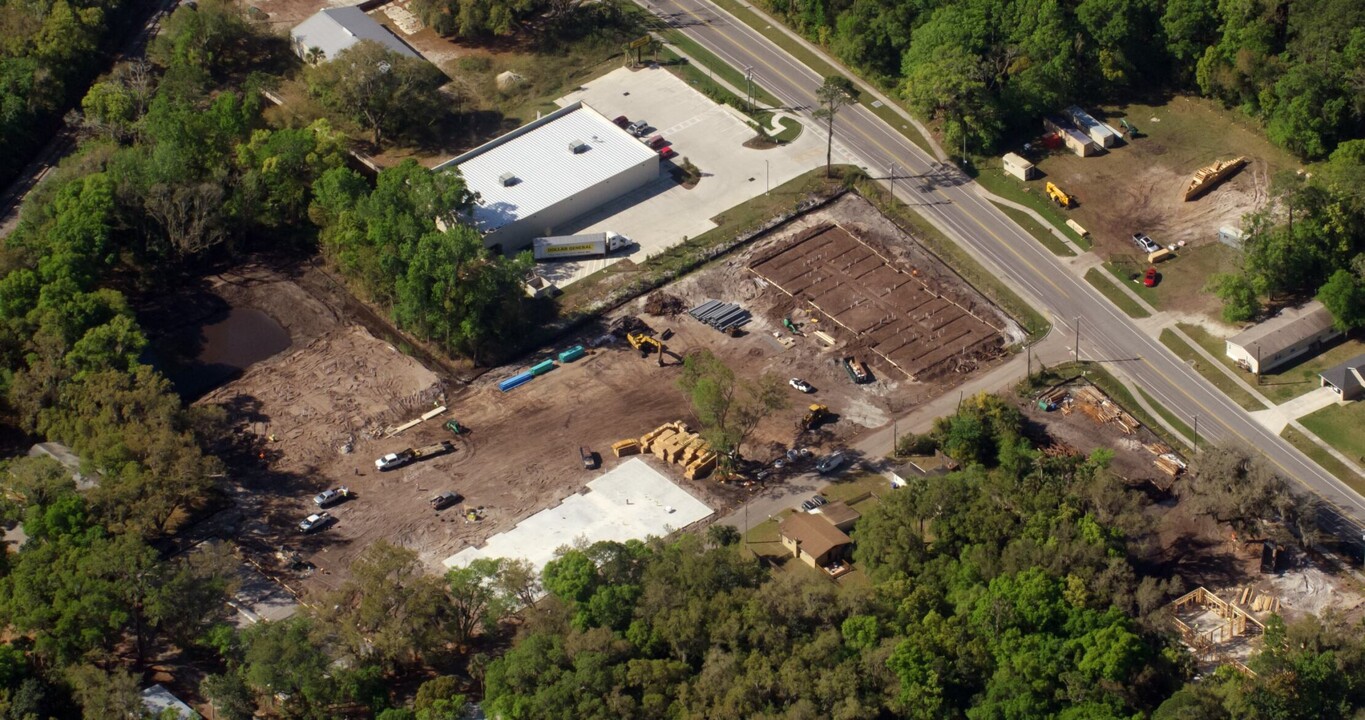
[830,463]
[801,385]
[314,523]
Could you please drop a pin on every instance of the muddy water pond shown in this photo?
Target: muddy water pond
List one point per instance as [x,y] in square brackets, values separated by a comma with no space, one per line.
[200,356]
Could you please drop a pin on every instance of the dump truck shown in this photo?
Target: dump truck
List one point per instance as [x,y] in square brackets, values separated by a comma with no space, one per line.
[393,461]
[564,247]
[857,371]
[814,416]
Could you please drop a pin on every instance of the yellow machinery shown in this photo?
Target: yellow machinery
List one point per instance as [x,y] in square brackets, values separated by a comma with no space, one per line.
[644,343]
[814,416]
[1057,196]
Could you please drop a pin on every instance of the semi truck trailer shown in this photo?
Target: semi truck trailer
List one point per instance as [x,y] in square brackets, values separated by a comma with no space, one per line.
[565,247]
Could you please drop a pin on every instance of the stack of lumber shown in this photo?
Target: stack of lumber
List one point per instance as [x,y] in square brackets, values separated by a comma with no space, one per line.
[1169,464]
[1258,602]
[1103,410]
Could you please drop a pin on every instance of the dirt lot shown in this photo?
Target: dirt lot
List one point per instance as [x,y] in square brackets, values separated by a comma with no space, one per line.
[315,416]
[1139,186]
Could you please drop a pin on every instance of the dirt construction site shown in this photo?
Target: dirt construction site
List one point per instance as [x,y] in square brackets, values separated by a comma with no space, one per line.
[317,415]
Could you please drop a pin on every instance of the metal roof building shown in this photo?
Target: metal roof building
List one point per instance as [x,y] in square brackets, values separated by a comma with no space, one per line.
[332,30]
[550,171]
[1265,346]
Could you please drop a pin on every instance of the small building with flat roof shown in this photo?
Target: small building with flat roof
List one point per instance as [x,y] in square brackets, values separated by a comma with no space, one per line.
[540,176]
[814,539]
[158,701]
[1295,331]
[322,37]
[1347,380]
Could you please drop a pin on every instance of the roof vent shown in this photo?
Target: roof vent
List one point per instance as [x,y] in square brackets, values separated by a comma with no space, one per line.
[577,147]
[508,179]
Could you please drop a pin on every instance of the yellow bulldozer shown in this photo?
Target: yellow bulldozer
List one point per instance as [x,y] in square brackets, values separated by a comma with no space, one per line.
[1057,196]
[644,343]
[814,416]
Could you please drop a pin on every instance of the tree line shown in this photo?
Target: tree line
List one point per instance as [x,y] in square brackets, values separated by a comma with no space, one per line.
[1016,587]
[1309,241]
[989,68]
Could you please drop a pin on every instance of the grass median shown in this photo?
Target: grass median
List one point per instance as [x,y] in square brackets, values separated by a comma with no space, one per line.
[1116,295]
[1324,459]
[1201,365]
[1036,229]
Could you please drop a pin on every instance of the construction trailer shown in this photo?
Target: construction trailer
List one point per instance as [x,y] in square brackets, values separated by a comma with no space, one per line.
[1097,131]
[1075,140]
[1018,167]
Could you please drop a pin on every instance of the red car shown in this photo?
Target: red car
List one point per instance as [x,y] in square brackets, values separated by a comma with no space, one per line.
[666,152]
[621,121]
[1149,279]
[656,142]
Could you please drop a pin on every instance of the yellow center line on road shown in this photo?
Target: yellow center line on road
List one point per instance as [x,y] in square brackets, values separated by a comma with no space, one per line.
[1009,246]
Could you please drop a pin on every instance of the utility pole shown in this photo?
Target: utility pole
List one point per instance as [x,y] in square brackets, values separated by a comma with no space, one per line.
[1078,341]
[767,178]
[1029,355]
[749,87]
[892,174]
[895,447]
[1196,432]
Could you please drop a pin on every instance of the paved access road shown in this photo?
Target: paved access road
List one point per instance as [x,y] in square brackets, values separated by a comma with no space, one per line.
[951,202]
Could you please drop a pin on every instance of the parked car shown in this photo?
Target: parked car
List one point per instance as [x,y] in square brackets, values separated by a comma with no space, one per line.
[801,385]
[621,121]
[328,498]
[813,503]
[1146,243]
[638,128]
[656,142]
[666,152]
[315,522]
[1149,278]
[444,500]
[830,463]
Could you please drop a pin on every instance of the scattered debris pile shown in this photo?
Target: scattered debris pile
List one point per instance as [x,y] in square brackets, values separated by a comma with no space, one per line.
[673,443]
[630,325]
[662,304]
[1098,407]
[1166,460]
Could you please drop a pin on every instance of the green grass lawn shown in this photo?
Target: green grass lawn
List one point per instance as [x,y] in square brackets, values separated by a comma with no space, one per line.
[1342,427]
[1324,458]
[1285,383]
[994,179]
[1180,425]
[791,129]
[1039,233]
[1219,379]
[1096,277]
[1131,278]
[857,486]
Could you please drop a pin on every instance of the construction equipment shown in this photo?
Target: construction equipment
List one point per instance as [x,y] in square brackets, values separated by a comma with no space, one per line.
[1129,128]
[393,461]
[1205,178]
[814,416]
[1056,195]
[589,458]
[645,343]
[791,326]
[857,371]
[455,427]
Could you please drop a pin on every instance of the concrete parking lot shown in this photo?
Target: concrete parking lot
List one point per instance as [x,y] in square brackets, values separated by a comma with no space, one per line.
[711,136]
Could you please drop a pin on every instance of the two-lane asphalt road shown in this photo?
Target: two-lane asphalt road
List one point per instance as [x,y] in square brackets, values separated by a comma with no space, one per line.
[951,202]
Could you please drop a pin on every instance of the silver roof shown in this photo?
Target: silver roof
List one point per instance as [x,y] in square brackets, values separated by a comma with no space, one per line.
[543,169]
[335,29]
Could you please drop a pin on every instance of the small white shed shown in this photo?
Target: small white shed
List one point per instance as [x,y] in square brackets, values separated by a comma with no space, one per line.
[1017,166]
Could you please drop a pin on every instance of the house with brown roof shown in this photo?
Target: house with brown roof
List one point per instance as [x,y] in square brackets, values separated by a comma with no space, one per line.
[839,514]
[814,539]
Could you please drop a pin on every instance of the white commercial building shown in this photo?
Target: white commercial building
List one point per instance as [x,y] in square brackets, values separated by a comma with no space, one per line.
[550,171]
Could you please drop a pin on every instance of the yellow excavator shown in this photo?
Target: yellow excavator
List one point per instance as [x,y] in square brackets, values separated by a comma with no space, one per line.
[816,413]
[644,343]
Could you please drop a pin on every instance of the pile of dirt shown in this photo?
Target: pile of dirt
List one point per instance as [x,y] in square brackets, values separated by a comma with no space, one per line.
[661,304]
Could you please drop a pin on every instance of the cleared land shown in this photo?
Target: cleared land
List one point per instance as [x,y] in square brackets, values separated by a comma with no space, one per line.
[317,415]
[901,318]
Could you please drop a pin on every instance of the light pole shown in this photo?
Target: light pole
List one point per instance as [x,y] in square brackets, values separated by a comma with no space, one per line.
[749,87]
[1078,341]
[892,174]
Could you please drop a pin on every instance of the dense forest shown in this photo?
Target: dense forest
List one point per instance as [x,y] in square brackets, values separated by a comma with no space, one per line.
[990,68]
